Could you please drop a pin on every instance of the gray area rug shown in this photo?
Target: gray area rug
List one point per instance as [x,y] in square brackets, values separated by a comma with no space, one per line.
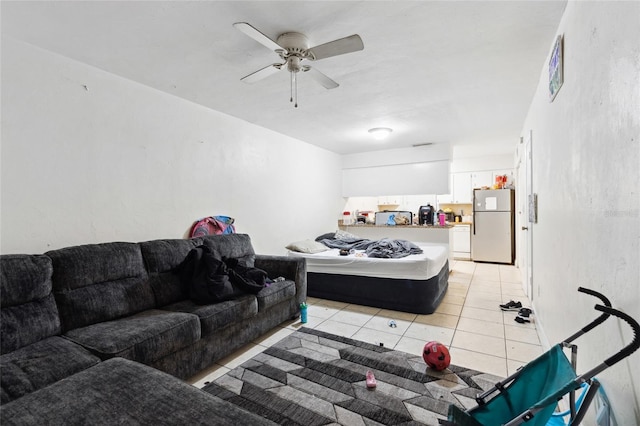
[316,378]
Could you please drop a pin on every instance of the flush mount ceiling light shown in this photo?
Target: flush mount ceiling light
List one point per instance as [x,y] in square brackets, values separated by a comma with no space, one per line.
[380,133]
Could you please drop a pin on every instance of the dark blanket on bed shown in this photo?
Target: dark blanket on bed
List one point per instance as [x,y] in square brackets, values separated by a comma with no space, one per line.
[385,247]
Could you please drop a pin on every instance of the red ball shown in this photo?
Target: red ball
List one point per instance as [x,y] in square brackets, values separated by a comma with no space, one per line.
[436,355]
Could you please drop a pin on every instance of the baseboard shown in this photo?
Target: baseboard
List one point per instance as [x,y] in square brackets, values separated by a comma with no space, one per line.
[544,340]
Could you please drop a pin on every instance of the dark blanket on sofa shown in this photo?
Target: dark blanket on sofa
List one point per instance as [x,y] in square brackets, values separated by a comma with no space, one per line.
[208,278]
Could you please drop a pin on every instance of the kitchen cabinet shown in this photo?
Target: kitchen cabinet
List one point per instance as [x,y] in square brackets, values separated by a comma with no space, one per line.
[480,179]
[460,185]
[462,242]
[394,200]
[507,172]
[446,198]
[462,189]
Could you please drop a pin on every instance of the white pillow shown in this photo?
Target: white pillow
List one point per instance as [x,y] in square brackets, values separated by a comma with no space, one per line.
[307,246]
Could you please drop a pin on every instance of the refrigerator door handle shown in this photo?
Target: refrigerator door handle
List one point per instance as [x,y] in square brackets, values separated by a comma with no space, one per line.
[473,212]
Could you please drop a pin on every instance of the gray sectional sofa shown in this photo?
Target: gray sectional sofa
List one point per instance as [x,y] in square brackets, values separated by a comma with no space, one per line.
[80,313]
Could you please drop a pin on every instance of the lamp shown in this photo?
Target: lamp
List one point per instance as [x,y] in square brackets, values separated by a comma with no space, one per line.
[380,133]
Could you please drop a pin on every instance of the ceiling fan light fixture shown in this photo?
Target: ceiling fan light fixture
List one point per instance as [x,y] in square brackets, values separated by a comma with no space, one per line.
[293,48]
[380,133]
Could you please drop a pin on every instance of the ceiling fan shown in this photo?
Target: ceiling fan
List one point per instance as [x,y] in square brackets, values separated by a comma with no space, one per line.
[293,48]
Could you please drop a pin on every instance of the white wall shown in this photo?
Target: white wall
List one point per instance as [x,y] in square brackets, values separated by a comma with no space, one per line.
[482,163]
[90,157]
[586,162]
[405,171]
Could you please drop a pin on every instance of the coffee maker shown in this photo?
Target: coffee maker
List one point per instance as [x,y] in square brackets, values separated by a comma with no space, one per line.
[425,215]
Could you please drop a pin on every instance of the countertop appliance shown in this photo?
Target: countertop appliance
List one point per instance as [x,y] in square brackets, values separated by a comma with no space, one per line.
[383,217]
[426,215]
[493,229]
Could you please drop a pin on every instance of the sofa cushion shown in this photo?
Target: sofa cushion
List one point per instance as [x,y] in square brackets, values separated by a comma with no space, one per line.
[160,258]
[231,246]
[35,366]
[218,315]
[123,392]
[29,312]
[143,337]
[276,293]
[99,282]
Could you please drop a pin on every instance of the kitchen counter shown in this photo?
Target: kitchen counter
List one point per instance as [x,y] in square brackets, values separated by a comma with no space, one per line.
[367,225]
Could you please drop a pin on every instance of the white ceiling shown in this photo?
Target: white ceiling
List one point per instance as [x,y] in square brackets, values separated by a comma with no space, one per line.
[456,72]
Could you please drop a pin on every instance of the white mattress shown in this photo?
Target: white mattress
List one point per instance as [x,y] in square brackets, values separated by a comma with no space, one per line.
[414,267]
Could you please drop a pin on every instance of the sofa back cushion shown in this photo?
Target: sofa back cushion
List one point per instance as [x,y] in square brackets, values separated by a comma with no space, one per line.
[232,246]
[161,258]
[29,313]
[99,282]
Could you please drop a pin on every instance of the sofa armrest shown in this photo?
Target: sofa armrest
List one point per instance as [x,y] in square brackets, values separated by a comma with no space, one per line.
[291,268]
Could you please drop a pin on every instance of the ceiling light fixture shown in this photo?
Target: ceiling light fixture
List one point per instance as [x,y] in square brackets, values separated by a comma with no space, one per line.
[380,133]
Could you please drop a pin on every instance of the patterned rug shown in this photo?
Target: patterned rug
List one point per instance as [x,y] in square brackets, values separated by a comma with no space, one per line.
[316,378]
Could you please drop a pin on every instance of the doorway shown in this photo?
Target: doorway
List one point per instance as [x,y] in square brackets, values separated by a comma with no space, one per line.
[528,219]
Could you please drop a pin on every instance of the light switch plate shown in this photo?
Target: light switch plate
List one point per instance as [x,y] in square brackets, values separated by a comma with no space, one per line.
[533,208]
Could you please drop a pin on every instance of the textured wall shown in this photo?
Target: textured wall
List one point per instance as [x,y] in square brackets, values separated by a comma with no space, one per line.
[586,162]
[90,157]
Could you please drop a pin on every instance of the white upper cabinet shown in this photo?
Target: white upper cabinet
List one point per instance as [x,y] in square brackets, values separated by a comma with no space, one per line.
[480,179]
[462,189]
[447,198]
[463,184]
[391,200]
[507,172]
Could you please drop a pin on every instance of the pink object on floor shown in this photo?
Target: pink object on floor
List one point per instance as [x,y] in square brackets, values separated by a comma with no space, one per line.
[371,380]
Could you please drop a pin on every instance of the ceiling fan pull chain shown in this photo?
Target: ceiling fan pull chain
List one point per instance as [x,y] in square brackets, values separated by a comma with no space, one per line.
[295,78]
[291,88]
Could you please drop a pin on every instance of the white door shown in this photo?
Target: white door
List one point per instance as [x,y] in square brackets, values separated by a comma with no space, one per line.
[527,226]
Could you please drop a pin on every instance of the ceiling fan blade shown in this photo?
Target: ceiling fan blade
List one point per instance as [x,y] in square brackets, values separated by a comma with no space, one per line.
[353,43]
[261,73]
[325,81]
[257,35]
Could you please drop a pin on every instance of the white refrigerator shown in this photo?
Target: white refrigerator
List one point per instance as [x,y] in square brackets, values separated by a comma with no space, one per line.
[493,229]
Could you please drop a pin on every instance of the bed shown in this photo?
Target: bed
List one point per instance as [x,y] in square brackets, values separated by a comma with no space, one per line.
[415,283]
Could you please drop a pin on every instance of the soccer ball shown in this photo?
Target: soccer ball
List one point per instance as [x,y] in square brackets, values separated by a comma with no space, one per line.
[436,355]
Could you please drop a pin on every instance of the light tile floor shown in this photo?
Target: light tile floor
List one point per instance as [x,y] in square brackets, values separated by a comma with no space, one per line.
[469,321]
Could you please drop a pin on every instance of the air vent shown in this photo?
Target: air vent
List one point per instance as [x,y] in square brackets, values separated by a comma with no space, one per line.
[422,144]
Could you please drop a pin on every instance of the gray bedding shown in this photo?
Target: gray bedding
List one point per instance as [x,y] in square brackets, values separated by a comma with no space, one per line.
[384,248]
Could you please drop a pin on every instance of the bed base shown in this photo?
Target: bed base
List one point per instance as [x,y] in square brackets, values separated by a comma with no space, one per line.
[414,296]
